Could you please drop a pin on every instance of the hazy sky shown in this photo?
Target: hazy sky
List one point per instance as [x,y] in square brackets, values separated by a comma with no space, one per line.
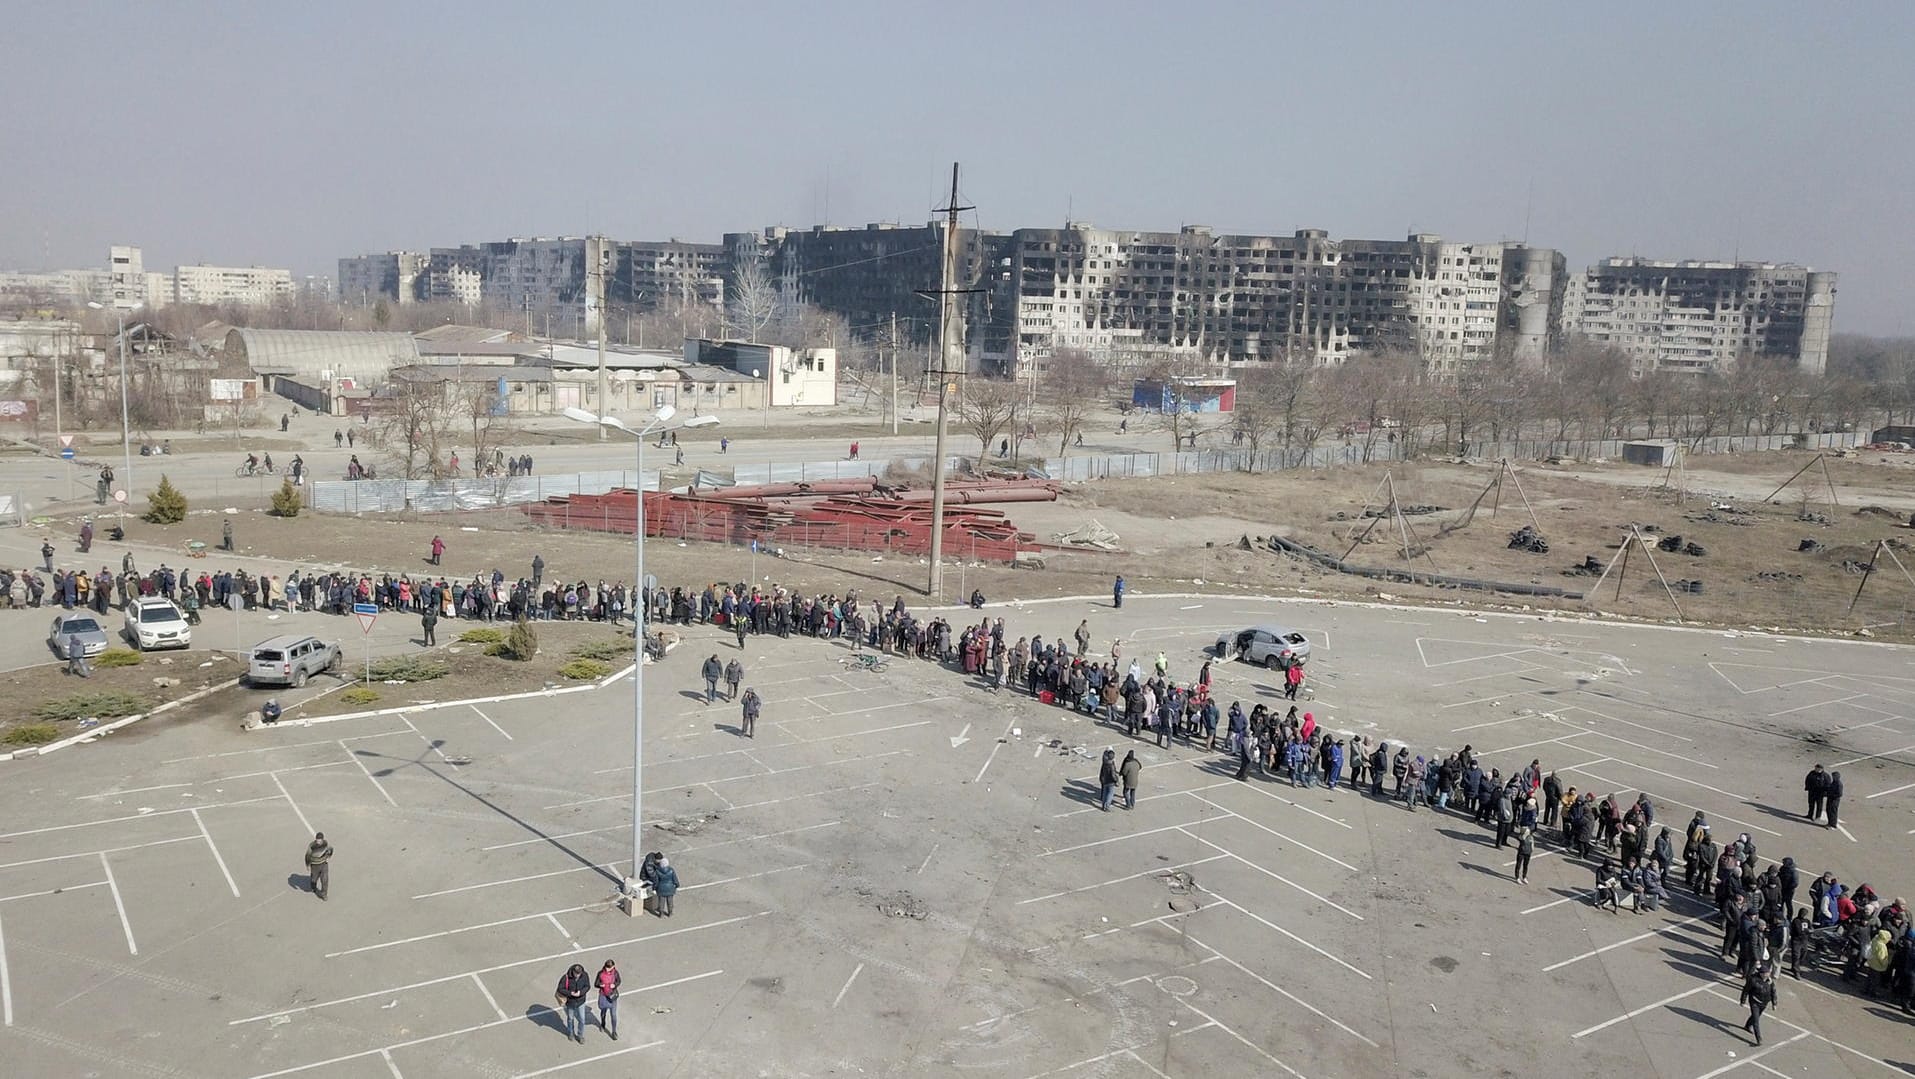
[289,136]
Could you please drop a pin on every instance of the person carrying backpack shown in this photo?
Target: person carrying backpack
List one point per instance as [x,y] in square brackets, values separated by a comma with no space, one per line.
[573,988]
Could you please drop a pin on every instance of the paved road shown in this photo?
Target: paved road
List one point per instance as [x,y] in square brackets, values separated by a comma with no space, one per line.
[905,873]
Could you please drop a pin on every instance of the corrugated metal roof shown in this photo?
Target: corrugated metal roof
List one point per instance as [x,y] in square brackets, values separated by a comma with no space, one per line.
[313,353]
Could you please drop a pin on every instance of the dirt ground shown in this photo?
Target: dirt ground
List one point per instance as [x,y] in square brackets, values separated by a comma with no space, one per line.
[1178,531]
[24,690]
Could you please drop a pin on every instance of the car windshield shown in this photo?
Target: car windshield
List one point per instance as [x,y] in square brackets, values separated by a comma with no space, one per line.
[158,614]
[80,625]
[268,655]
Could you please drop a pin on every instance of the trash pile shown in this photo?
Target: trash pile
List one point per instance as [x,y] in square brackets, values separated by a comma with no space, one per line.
[1091,533]
[1590,567]
[1674,545]
[1528,539]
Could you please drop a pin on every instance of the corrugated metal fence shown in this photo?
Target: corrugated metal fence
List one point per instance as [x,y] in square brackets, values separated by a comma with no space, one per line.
[437,496]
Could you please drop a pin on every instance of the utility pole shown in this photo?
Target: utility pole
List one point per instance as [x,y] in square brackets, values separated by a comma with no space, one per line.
[951,341]
[894,373]
[596,248]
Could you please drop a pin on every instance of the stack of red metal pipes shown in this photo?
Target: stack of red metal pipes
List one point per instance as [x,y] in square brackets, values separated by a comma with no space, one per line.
[854,514]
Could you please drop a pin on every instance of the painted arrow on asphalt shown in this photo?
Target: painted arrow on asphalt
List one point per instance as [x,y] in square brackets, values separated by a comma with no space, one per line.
[960,738]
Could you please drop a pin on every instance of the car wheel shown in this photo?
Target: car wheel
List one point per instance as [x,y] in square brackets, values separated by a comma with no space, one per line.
[299,678]
[332,664]
[1271,662]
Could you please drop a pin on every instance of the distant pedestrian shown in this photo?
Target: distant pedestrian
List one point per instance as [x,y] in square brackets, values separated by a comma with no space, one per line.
[1525,847]
[538,571]
[226,535]
[712,671]
[76,657]
[438,550]
[1832,803]
[429,622]
[681,455]
[1107,780]
[1130,770]
[609,982]
[749,708]
[1083,636]
[46,554]
[573,988]
[1117,591]
[724,445]
[854,451]
[86,535]
[352,437]
[338,437]
[738,627]
[319,864]
[734,674]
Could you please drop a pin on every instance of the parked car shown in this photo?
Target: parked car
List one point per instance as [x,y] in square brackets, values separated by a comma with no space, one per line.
[76,623]
[153,622]
[1263,644]
[290,660]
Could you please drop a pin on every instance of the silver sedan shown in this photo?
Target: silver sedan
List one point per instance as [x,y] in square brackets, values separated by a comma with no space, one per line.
[76,624]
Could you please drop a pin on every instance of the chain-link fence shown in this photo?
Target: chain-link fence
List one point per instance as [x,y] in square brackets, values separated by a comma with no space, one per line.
[435,496]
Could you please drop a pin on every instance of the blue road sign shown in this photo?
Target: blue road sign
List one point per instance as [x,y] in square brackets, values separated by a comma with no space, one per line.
[67,452]
[365,608]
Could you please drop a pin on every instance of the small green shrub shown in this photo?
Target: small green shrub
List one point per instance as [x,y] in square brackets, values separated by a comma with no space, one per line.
[409,669]
[31,734]
[483,636]
[119,657]
[359,695]
[521,643]
[106,704]
[287,501]
[603,650]
[585,670]
[498,648]
[165,506]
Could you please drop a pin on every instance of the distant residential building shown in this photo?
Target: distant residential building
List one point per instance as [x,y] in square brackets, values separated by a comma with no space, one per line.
[244,286]
[397,277]
[126,277]
[648,274]
[1695,316]
[1134,299]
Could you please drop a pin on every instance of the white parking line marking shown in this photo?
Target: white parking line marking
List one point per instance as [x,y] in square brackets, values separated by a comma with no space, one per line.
[368,773]
[6,983]
[495,726]
[223,871]
[303,822]
[390,1066]
[995,746]
[564,932]
[846,988]
[1274,876]
[1870,757]
[1628,1015]
[1257,917]
[628,828]
[588,1060]
[1753,1057]
[132,816]
[91,853]
[1128,876]
[1121,838]
[1877,794]
[1279,990]
[1823,1038]
[1671,927]
[133,790]
[1491,723]
[1258,1049]
[54,891]
[1850,835]
[1279,835]
[489,999]
[731,779]
[119,905]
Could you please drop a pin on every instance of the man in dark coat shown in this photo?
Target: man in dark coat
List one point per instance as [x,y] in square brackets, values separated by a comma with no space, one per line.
[1816,784]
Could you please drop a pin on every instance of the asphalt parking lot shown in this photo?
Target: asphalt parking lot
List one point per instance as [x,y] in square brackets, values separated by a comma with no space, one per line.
[905,873]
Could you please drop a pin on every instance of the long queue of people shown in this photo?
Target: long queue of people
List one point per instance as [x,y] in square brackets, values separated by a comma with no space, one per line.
[1632,857]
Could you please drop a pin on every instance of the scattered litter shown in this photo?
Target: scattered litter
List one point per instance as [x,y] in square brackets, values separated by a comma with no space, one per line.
[279,1020]
[1810,546]
[683,826]
[1017,732]
[166,683]
[467,528]
[1591,566]
[388,1004]
[144,810]
[1091,533]
[1689,586]
[89,722]
[904,905]
[1776,575]
[661,1010]
[1528,539]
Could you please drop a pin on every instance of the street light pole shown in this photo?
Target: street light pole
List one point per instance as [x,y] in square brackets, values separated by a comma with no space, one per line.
[642,609]
[126,424]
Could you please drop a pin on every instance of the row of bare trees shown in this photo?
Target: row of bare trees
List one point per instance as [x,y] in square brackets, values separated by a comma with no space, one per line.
[1371,401]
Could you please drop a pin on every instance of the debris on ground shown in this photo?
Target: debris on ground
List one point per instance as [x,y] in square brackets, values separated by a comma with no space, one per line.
[1670,543]
[1811,517]
[1528,539]
[1810,546]
[1694,550]
[1777,576]
[1414,510]
[1689,586]
[1091,533]
[682,826]
[904,905]
[1591,566]
[1878,511]
[1179,881]
[1850,565]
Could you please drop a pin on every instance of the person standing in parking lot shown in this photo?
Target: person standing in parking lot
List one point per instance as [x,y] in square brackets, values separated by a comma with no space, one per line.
[319,864]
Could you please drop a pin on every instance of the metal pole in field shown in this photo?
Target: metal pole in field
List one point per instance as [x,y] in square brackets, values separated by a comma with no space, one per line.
[638,684]
[950,339]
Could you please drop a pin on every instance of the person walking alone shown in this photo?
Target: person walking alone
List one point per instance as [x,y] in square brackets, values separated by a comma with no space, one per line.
[608,986]
[573,988]
[1525,847]
[1117,591]
[1832,804]
[1107,780]
[734,674]
[319,864]
[1759,994]
[76,657]
[429,623]
[712,672]
[748,723]
[438,550]
[1130,770]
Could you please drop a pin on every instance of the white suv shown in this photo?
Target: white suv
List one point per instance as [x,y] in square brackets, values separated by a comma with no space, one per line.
[152,622]
[290,660]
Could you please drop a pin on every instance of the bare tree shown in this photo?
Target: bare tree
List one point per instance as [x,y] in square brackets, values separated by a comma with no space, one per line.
[484,413]
[984,410]
[751,295]
[417,432]
[1070,389]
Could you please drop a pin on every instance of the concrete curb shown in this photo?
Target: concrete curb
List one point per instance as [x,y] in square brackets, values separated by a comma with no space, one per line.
[431,706]
[90,735]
